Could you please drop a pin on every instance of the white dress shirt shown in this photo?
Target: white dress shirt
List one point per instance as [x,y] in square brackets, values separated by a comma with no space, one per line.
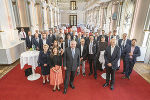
[123,43]
[30,38]
[44,41]
[91,48]
[22,34]
[112,49]
[81,50]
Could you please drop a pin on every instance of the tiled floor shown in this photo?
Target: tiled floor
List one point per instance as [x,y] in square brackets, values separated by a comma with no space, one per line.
[141,68]
[4,69]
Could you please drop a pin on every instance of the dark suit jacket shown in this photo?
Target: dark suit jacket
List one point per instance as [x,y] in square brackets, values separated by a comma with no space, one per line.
[94,49]
[113,59]
[87,40]
[51,39]
[101,47]
[36,43]
[120,42]
[28,42]
[136,53]
[117,37]
[70,62]
[76,38]
[44,60]
[123,49]
[98,38]
[41,44]
[84,53]
[66,43]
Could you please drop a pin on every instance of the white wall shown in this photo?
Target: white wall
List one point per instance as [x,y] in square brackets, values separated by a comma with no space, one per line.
[65,12]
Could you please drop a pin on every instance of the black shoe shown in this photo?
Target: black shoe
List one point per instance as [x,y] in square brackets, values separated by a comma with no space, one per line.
[123,73]
[95,77]
[65,91]
[129,78]
[58,89]
[106,84]
[72,86]
[90,74]
[112,87]
[54,90]
[84,74]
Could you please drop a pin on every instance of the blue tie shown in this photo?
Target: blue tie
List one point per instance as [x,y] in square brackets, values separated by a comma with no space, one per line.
[73,53]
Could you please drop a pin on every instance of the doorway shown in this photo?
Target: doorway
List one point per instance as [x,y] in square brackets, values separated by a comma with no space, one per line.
[73,20]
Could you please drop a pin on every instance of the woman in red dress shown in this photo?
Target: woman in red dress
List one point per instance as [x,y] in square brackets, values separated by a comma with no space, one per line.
[56,72]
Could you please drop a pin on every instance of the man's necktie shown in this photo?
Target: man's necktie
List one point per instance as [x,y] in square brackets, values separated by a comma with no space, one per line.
[73,53]
[24,35]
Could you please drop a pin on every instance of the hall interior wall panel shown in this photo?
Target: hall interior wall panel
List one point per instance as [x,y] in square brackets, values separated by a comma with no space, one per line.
[39,17]
[22,13]
[137,30]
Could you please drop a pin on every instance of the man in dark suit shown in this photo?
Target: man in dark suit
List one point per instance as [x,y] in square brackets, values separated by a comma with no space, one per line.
[86,38]
[74,37]
[70,31]
[43,41]
[96,37]
[79,38]
[111,55]
[67,41]
[104,35]
[91,52]
[39,35]
[71,62]
[35,41]
[83,53]
[132,52]
[29,40]
[115,35]
[51,37]
[122,43]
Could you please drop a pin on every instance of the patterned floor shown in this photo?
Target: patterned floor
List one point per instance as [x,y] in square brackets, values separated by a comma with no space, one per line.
[4,69]
[143,70]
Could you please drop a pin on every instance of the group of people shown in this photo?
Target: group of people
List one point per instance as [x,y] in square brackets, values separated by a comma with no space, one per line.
[71,49]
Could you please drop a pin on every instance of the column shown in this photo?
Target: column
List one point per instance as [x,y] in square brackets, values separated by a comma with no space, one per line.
[44,5]
[55,16]
[58,17]
[33,19]
[8,32]
[140,15]
[51,16]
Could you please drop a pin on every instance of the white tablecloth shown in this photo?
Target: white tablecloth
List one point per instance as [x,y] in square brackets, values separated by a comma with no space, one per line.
[30,58]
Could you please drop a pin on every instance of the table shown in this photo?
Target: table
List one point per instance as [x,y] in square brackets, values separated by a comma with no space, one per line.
[30,58]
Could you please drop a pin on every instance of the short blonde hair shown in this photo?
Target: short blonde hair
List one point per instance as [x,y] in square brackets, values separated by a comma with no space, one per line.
[45,45]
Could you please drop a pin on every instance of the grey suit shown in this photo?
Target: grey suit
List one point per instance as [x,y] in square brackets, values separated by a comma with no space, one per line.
[71,64]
